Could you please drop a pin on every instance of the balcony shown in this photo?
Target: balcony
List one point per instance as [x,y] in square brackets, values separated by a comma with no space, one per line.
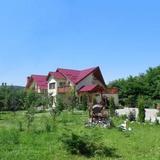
[63,89]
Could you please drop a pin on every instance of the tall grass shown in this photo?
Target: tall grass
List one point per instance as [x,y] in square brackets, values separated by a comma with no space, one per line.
[9,137]
[44,141]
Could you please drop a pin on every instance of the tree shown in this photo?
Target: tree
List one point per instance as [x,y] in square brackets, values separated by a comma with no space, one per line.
[11,98]
[141,109]
[32,100]
[146,84]
[112,106]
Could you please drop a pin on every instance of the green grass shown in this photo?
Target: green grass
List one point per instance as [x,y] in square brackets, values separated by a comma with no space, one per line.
[43,141]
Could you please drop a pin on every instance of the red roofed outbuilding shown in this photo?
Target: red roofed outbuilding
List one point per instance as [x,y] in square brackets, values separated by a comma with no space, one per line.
[37,83]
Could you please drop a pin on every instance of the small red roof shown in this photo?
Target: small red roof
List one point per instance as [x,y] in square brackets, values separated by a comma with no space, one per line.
[40,80]
[56,75]
[112,90]
[91,88]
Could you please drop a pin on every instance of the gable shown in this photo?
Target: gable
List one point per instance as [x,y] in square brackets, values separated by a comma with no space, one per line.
[76,76]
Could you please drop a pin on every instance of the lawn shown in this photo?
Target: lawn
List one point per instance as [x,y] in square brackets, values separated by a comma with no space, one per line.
[44,139]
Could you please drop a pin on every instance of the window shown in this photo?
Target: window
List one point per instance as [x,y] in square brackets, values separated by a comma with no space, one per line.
[52,86]
[61,84]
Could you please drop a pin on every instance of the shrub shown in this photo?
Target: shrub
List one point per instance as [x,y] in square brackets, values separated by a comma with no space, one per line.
[112,106]
[157,122]
[123,117]
[112,125]
[132,116]
[86,146]
[49,124]
[84,102]
[82,107]
[141,108]
[30,116]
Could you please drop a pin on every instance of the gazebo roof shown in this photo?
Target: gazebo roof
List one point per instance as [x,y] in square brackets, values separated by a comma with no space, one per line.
[91,88]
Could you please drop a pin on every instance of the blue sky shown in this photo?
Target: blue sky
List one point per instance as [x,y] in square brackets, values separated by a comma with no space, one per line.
[37,36]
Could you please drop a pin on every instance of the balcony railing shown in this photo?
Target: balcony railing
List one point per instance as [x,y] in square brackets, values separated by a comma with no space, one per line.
[63,89]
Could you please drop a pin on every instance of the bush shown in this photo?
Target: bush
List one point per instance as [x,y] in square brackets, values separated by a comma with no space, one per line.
[49,124]
[83,104]
[141,108]
[86,146]
[132,116]
[112,107]
[123,117]
[157,122]
[30,116]
[82,107]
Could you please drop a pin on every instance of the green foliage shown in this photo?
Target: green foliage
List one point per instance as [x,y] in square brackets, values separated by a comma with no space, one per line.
[49,124]
[132,116]
[11,98]
[86,145]
[72,100]
[60,104]
[157,122]
[143,140]
[147,84]
[32,99]
[20,126]
[48,127]
[10,137]
[130,101]
[112,106]
[141,108]
[82,105]
[30,116]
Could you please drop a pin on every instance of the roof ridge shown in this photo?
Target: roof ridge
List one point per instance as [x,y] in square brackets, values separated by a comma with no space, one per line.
[37,75]
[67,69]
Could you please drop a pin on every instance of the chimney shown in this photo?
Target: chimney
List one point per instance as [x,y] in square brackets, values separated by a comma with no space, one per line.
[28,80]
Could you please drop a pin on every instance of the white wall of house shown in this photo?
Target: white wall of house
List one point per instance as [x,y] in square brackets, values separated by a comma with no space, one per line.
[52,92]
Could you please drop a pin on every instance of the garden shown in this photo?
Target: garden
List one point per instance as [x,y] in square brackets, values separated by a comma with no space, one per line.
[66,137]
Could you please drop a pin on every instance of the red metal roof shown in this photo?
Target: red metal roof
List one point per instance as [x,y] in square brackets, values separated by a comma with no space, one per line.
[76,75]
[56,75]
[91,88]
[40,80]
[112,90]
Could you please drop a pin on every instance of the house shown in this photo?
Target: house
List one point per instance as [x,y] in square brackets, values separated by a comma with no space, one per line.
[88,82]
[37,83]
